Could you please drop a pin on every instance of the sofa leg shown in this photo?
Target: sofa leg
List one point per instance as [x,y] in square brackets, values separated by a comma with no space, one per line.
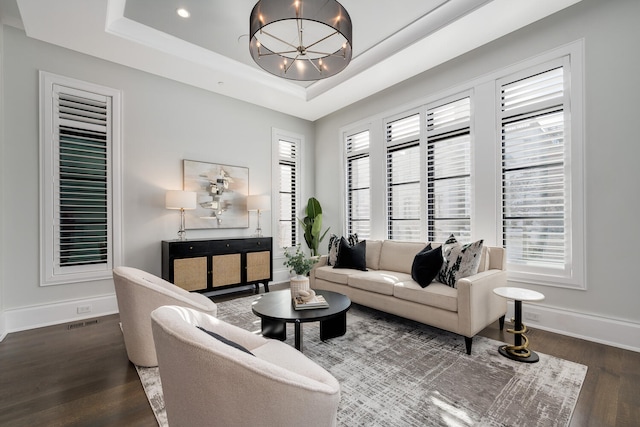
[467,342]
[501,320]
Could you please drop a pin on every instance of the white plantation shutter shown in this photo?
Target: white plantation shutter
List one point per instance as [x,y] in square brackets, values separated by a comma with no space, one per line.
[358,185]
[82,232]
[534,174]
[449,170]
[79,135]
[288,156]
[403,178]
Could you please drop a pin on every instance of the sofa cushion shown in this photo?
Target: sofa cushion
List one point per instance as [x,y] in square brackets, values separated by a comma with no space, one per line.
[352,256]
[435,295]
[373,254]
[398,256]
[426,265]
[380,282]
[459,260]
[334,246]
[338,275]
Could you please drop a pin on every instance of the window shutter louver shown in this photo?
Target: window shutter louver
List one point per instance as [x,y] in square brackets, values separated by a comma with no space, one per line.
[449,170]
[533,170]
[82,232]
[358,185]
[403,178]
[288,156]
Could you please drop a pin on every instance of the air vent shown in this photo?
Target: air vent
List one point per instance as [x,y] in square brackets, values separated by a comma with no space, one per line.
[82,324]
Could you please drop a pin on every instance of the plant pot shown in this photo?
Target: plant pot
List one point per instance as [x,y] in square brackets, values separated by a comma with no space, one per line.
[298,283]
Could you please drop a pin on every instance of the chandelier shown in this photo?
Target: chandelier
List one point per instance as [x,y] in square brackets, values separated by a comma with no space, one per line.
[300,39]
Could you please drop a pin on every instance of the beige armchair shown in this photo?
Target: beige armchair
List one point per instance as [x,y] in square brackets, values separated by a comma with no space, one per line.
[208,382]
[138,294]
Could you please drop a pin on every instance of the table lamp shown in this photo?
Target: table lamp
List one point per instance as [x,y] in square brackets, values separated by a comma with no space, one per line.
[258,203]
[183,200]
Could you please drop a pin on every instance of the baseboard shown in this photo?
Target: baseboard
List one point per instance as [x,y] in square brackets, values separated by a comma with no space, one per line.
[613,332]
[3,326]
[21,319]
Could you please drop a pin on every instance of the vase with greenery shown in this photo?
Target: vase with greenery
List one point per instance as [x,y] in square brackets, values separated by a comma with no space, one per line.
[312,225]
[298,262]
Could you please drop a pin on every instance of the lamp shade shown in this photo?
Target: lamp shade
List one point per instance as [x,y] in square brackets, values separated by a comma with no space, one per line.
[259,203]
[177,199]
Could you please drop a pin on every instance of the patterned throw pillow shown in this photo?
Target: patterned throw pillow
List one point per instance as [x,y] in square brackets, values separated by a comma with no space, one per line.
[459,261]
[334,246]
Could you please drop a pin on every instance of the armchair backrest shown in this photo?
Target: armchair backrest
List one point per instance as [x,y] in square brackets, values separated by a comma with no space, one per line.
[138,294]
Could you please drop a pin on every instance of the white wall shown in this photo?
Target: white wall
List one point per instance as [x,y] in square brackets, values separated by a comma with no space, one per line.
[163,122]
[612,89]
[2,215]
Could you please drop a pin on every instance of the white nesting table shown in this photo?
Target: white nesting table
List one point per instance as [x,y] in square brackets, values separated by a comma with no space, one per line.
[520,350]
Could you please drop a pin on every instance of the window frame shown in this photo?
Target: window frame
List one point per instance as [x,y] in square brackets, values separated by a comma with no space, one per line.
[391,145]
[451,131]
[298,141]
[349,157]
[50,272]
[573,274]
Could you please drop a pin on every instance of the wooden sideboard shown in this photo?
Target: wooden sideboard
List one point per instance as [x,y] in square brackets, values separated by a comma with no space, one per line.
[208,264]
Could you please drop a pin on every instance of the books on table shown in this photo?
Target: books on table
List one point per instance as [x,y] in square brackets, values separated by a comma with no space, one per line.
[317,301]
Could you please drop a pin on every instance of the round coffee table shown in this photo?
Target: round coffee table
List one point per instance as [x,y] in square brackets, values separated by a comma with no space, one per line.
[520,350]
[276,310]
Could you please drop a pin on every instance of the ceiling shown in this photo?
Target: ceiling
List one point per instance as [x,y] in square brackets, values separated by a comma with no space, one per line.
[210,50]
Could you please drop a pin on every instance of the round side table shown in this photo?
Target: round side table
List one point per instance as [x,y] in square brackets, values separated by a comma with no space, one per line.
[520,350]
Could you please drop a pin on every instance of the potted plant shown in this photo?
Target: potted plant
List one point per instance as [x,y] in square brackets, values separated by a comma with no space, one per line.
[312,225]
[298,263]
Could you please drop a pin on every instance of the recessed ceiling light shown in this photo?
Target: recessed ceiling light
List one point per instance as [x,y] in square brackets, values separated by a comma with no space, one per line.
[183,13]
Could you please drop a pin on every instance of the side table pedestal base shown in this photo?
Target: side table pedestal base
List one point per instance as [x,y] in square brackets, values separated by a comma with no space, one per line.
[512,354]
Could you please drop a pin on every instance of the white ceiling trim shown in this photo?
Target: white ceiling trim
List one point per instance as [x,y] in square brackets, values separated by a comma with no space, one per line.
[98,28]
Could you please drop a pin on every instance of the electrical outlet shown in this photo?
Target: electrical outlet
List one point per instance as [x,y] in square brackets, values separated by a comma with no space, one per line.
[81,309]
[532,316]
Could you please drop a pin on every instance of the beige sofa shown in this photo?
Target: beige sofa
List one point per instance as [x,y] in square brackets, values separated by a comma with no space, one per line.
[387,286]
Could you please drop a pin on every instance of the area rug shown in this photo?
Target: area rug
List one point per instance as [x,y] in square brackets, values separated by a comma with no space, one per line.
[396,372]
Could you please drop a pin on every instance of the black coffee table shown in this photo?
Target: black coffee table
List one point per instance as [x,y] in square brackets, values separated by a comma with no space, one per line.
[276,310]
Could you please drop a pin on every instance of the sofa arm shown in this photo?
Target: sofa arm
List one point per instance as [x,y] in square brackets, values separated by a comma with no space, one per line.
[478,306]
[322,261]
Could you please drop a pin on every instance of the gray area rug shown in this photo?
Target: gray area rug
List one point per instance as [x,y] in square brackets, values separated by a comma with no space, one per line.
[396,372]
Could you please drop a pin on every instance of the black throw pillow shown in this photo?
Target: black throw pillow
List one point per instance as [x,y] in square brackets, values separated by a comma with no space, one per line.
[426,265]
[352,256]
[226,341]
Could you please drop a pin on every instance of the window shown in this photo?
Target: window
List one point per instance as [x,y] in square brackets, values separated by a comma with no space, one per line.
[449,170]
[498,158]
[80,142]
[536,175]
[358,185]
[287,161]
[403,179]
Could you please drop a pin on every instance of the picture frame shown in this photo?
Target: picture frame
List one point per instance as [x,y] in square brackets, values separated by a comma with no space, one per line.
[222,192]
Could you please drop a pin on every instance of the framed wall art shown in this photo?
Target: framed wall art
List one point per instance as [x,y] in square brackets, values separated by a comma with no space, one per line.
[222,195]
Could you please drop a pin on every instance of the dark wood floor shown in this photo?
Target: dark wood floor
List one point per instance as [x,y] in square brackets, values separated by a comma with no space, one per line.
[56,376]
